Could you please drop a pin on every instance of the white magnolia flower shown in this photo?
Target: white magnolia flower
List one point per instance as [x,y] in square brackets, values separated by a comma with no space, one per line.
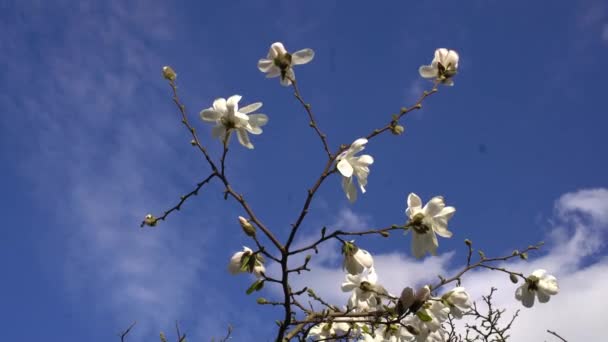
[389,333]
[458,300]
[366,291]
[350,165]
[236,263]
[325,331]
[443,66]
[228,117]
[279,62]
[356,260]
[438,313]
[426,222]
[539,283]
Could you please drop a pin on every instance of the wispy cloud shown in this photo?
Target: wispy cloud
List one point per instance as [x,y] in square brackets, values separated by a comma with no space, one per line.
[98,150]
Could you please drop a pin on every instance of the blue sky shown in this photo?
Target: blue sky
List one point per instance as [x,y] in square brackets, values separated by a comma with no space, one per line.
[90,142]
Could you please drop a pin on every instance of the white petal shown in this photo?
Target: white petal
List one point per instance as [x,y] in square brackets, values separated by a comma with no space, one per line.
[441,222]
[349,189]
[418,245]
[251,108]
[274,71]
[233,102]
[548,285]
[220,105]
[276,49]
[210,114]
[253,129]
[265,64]
[428,71]
[413,202]
[542,297]
[241,118]
[302,57]
[451,59]
[358,144]
[258,119]
[218,131]
[345,168]
[440,55]
[244,138]
[365,159]
[364,258]
[434,206]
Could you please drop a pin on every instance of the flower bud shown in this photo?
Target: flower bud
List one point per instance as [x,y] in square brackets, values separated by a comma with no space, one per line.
[397,129]
[248,228]
[169,73]
[262,300]
[163,338]
[468,242]
[523,256]
[513,278]
[150,220]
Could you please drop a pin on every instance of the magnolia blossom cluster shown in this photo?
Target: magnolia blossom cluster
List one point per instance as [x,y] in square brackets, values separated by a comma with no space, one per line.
[418,316]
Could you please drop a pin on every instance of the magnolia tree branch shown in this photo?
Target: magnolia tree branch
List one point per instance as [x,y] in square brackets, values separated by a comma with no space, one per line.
[556,335]
[313,122]
[388,313]
[123,335]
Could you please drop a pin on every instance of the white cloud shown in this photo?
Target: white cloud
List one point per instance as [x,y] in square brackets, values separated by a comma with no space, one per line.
[101,154]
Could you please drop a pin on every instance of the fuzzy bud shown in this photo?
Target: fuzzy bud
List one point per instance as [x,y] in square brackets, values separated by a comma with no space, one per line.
[397,129]
[150,220]
[169,73]
[248,228]
[513,278]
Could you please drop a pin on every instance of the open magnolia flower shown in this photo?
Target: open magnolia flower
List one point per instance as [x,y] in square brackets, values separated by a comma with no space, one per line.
[279,62]
[228,117]
[366,292]
[426,222]
[458,300]
[356,260]
[325,331]
[389,333]
[245,261]
[350,165]
[539,283]
[443,66]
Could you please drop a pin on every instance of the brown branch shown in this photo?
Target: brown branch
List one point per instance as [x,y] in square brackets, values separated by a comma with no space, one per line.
[313,122]
[183,199]
[556,335]
[124,334]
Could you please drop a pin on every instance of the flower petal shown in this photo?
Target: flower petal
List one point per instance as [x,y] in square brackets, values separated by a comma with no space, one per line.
[419,247]
[365,159]
[274,71]
[218,131]
[302,57]
[276,49]
[251,108]
[349,189]
[427,71]
[258,120]
[210,114]
[542,297]
[414,201]
[265,64]
[434,206]
[220,105]
[244,138]
[233,102]
[345,168]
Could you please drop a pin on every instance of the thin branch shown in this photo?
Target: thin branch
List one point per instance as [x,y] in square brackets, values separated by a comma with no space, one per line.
[124,334]
[556,335]
[313,122]
[182,199]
